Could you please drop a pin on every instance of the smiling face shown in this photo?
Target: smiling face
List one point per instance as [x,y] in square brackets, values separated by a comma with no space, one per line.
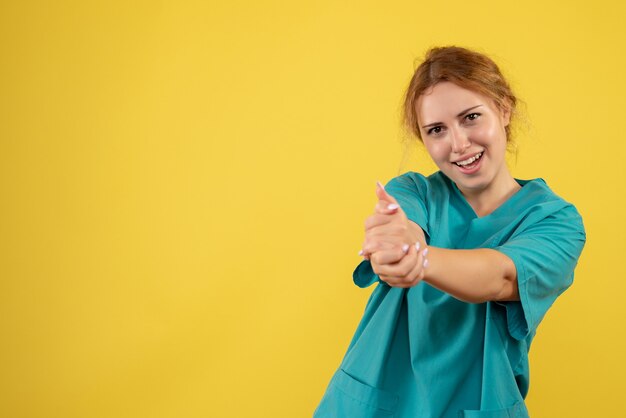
[464,133]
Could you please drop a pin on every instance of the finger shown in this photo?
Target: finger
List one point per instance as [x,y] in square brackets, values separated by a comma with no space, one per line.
[366,256]
[399,272]
[393,232]
[393,222]
[385,237]
[417,273]
[390,279]
[378,220]
[370,246]
[384,207]
[382,194]
[390,256]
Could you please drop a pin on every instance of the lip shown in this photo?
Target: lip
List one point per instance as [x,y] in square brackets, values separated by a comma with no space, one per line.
[466,156]
[472,170]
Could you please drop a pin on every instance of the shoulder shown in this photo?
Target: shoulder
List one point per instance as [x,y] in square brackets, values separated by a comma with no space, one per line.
[414,192]
[419,182]
[543,205]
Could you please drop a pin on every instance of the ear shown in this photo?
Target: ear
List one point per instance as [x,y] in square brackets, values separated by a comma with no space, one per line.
[505,112]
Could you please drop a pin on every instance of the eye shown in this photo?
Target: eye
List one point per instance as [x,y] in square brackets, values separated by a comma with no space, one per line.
[472,116]
[435,130]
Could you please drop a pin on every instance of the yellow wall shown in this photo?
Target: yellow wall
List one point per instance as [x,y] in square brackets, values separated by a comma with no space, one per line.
[183,186]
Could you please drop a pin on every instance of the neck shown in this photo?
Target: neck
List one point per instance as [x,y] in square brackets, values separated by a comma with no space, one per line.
[487,200]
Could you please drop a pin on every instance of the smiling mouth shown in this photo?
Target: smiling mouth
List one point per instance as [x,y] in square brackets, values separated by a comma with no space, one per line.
[470,161]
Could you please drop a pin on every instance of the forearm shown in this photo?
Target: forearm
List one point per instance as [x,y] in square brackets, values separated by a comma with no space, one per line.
[473,276]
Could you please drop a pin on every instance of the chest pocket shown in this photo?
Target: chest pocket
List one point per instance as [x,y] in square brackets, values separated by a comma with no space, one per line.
[348,397]
[518,410]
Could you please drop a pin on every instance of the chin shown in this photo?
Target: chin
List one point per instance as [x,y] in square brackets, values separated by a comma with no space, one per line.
[476,185]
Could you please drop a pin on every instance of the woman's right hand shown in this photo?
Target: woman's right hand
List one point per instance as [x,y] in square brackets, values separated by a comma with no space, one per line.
[407,272]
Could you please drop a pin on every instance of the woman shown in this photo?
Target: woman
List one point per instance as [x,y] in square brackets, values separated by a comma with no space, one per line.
[468,261]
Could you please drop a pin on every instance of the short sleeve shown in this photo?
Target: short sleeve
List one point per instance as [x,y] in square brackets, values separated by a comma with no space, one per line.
[409,190]
[545,255]
[364,274]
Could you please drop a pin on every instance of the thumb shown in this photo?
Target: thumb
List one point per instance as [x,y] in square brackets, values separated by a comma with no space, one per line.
[382,194]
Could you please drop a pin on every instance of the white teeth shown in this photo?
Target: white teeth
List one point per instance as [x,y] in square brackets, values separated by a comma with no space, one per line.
[469,160]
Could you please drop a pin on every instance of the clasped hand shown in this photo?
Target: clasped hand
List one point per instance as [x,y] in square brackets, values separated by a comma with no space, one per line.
[391,245]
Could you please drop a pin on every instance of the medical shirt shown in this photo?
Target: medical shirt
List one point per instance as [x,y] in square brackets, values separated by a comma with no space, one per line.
[419,352]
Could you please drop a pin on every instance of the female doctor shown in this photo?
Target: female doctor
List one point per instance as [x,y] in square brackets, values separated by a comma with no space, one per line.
[468,260]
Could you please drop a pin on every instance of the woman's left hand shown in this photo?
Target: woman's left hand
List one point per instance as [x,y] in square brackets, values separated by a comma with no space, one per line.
[392,245]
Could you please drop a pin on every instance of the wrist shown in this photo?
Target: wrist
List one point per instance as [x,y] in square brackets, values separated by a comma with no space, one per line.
[416,234]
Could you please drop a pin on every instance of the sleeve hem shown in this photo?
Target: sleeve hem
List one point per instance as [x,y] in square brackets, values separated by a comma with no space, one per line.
[518,312]
[364,275]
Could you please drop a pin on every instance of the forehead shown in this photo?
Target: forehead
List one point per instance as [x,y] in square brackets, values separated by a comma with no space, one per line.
[445,100]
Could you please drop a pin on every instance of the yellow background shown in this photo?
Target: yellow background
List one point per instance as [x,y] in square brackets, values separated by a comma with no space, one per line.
[183,188]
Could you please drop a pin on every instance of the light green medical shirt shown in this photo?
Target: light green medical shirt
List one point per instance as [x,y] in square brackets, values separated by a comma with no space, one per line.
[419,352]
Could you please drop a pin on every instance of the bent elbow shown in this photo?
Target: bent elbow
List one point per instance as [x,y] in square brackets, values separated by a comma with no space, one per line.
[506,289]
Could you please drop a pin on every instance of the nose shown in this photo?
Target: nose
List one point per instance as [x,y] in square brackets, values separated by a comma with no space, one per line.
[459,140]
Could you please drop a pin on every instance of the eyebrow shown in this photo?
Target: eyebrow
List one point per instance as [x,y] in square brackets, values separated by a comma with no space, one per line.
[458,116]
